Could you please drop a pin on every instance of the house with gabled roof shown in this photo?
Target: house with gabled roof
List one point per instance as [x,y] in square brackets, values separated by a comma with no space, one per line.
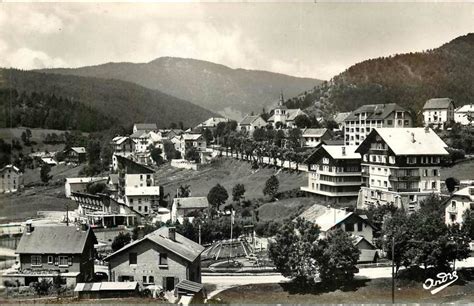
[75,155]
[48,251]
[250,123]
[363,120]
[11,179]
[438,112]
[162,258]
[358,226]
[458,203]
[313,137]
[187,207]
[400,166]
[464,114]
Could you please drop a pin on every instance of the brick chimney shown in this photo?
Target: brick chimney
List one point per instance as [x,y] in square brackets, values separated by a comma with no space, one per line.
[413,137]
[172,233]
[84,226]
[343,151]
[29,227]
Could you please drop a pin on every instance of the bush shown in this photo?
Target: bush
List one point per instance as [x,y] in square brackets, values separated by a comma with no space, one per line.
[42,287]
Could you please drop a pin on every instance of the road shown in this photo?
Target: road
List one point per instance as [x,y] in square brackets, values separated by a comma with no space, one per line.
[223,282]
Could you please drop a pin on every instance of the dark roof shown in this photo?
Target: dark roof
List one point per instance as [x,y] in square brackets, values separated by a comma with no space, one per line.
[54,240]
[181,246]
[438,103]
[375,111]
[249,119]
[133,167]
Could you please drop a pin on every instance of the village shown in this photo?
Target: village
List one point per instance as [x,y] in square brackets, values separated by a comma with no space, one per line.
[325,200]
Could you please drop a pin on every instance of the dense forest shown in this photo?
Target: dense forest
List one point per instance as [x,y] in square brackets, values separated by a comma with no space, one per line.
[41,110]
[407,79]
[124,101]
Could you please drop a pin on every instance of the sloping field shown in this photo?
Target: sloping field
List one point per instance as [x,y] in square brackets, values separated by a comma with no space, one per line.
[285,208]
[461,171]
[227,172]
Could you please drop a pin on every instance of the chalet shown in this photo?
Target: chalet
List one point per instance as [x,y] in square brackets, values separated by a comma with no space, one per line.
[367,117]
[11,179]
[48,251]
[79,184]
[464,115]
[358,226]
[334,173]
[48,161]
[145,127]
[187,208]
[76,155]
[250,123]
[313,137]
[189,140]
[283,117]
[459,202]
[162,258]
[400,166]
[438,112]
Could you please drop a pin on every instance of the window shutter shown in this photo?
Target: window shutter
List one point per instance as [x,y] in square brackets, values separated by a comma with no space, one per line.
[163,284]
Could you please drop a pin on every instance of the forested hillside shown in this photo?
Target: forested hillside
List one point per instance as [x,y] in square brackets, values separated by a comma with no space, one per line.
[41,110]
[407,79]
[126,102]
[230,92]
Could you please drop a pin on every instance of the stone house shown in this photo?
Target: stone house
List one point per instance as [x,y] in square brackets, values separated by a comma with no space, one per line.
[162,258]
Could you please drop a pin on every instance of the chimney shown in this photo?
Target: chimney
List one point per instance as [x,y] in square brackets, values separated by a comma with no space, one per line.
[427,129]
[413,137]
[343,151]
[172,233]
[29,227]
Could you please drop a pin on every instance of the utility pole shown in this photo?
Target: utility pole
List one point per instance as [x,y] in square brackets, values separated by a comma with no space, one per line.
[231,228]
[393,269]
[199,233]
[67,215]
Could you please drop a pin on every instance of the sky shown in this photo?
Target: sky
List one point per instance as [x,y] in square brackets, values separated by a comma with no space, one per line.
[317,40]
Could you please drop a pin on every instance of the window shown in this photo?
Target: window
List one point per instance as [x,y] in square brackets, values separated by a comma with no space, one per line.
[139,200]
[151,279]
[139,208]
[144,279]
[50,259]
[132,258]
[391,159]
[145,208]
[349,227]
[141,177]
[453,204]
[360,226]
[435,172]
[131,200]
[433,185]
[63,260]
[163,259]
[36,260]
[389,122]
[385,183]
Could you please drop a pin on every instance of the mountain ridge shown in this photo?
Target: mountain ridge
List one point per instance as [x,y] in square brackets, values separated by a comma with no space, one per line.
[232,92]
[408,79]
[125,101]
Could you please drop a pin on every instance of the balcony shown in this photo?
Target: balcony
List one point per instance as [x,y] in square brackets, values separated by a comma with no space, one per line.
[405,178]
[409,190]
[451,209]
[378,151]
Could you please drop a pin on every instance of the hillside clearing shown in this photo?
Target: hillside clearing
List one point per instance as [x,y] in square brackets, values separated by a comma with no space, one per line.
[227,172]
[461,171]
